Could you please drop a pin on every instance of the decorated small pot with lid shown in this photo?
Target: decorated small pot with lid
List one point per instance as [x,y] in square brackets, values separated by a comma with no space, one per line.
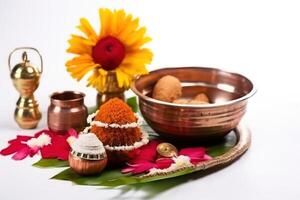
[88,155]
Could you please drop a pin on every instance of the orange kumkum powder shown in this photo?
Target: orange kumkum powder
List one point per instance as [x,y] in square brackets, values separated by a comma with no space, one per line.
[116,111]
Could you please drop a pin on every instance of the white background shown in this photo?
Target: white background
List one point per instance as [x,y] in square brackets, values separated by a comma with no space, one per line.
[258,38]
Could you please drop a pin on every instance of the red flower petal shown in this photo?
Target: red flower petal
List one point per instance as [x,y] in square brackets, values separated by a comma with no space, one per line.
[12,148]
[132,155]
[48,152]
[163,163]
[146,152]
[41,132]
[59,148]
[64,155]
[23,153]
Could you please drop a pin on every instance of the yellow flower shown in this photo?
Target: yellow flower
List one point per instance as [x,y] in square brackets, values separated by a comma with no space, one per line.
[118,47]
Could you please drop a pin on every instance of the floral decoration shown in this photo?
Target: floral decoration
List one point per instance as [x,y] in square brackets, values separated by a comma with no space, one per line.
[146,159]
[118,47]
[48,143]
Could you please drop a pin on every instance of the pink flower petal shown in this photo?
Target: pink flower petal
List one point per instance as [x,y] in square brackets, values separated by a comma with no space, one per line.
[72,132]
[207,157]
[140,167]
[33,151]
[196,160]
[23,153]
[198,152]
[127,170]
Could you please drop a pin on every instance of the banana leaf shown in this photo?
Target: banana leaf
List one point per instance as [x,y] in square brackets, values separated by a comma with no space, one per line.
[114,177]
[51,163]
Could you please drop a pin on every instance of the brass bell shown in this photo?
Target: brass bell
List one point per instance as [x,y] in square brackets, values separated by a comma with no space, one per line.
[26,78]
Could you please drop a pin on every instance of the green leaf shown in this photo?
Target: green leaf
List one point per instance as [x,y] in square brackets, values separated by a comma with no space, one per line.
[132,102]
[113,178]
[49,163]
[128,180]
[107,175]
[222,146]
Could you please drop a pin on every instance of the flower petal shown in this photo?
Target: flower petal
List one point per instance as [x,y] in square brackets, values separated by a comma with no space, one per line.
[78,47]
[21,154]
[198,152]
[141,167]
[163,163]
[45,131]
[72,132]
[48,152]
[98,79]
[64,155]
[59,147]
[34,151]
[127,170]
[80,70]
[131,26]
[122,78]
[105,16]
[88,30]
[12,148]
[146,152]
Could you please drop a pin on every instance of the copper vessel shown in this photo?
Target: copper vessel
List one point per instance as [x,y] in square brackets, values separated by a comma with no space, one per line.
[26,79]
[228,93]
[67,110]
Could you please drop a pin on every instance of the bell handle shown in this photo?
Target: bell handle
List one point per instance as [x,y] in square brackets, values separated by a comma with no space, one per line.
[29,48]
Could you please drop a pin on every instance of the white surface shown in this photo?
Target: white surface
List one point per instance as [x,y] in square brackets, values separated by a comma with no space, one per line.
[258,38]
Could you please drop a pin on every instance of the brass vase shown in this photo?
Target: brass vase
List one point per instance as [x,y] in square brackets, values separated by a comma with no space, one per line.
[111,89]
[26,78]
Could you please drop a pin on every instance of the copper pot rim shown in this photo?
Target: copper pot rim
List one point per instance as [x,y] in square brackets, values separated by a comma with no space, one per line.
[82,95]
[219,104]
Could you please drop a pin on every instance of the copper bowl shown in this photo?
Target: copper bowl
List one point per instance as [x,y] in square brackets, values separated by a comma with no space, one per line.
[228,93]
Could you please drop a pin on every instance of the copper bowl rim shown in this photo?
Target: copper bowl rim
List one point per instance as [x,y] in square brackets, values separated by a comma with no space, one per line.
[67,91]
[231,102]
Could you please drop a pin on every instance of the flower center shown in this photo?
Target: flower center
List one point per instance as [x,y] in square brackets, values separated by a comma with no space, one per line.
[108,52]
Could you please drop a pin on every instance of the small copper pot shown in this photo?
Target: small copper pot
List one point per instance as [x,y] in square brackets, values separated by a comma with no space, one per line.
[67,110]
